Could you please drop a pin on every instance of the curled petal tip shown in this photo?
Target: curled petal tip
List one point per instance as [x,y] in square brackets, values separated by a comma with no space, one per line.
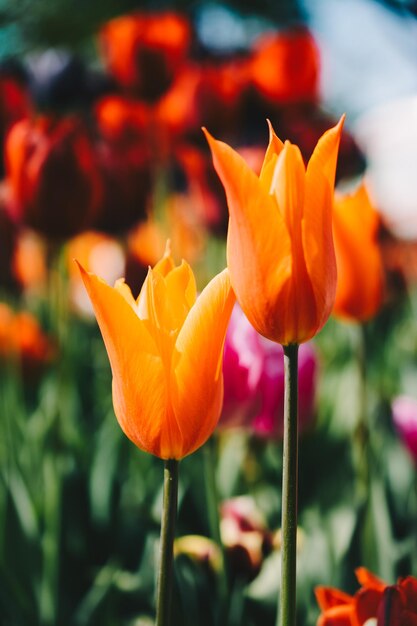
[168,250]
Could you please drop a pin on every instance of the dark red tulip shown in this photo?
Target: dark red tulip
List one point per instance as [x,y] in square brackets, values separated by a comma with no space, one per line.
[53,176]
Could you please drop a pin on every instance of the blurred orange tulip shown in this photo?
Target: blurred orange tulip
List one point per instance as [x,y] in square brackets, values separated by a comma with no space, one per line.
[144,51]
[22,338]
[165,351]
[360,284]
[280,247]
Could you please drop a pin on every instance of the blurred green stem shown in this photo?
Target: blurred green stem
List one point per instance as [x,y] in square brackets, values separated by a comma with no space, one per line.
[212,499]
[361,435]
[169,515]
[51,541]
[287,605]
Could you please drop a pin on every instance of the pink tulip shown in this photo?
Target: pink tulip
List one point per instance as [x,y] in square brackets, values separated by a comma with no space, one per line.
[404,415]
[253,370]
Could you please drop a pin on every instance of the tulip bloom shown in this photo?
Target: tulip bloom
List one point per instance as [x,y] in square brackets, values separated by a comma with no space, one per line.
[360,284]
[245,536]
[165,351]
[145,51]
[54,179]
[381,604]
[285,67]
[280,247]
[253,369]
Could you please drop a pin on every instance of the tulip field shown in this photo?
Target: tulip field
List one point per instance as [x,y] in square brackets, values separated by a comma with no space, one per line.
[208,327]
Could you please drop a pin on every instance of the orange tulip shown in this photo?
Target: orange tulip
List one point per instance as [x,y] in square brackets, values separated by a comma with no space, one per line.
[280,247]
[165,351]
[360,285]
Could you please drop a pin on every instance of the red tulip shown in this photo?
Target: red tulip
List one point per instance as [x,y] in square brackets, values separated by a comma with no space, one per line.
[55,185]
[145,51]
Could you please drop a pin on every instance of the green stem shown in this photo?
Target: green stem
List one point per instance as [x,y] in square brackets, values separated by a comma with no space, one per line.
[361,435]
[169,514]
[289,490]
[212,500]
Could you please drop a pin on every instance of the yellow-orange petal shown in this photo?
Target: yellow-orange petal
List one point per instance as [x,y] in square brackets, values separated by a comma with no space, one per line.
[140,389]
[180,294]
[166,264]
[197,381]
[317,223]
[258,243]
[126,292]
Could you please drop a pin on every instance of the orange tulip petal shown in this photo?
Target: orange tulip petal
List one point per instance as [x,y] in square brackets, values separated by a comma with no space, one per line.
[327,597]
[317,224]
[166,264]
[368,579]
[181,293]
[126,292]
[197,382]
[140,407]
[258,245]
[359,264]
[324,156]
[287,185]
[274,148]
[342,615]
[298,310]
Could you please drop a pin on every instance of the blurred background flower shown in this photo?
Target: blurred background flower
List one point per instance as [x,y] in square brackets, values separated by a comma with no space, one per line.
[103,159]
[404,415]
[254,381]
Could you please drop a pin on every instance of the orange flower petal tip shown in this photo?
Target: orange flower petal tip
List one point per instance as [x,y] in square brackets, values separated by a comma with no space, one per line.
[280,250]
[165,350]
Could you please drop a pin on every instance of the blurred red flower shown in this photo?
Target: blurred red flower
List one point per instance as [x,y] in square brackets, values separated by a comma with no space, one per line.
[144,51]
[285,66]
[14,101]
[221,95]
[53,176]
[387,605]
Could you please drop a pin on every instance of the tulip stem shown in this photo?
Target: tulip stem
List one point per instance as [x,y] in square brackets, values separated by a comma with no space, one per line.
[287,606]
[361,434]
[169,514]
